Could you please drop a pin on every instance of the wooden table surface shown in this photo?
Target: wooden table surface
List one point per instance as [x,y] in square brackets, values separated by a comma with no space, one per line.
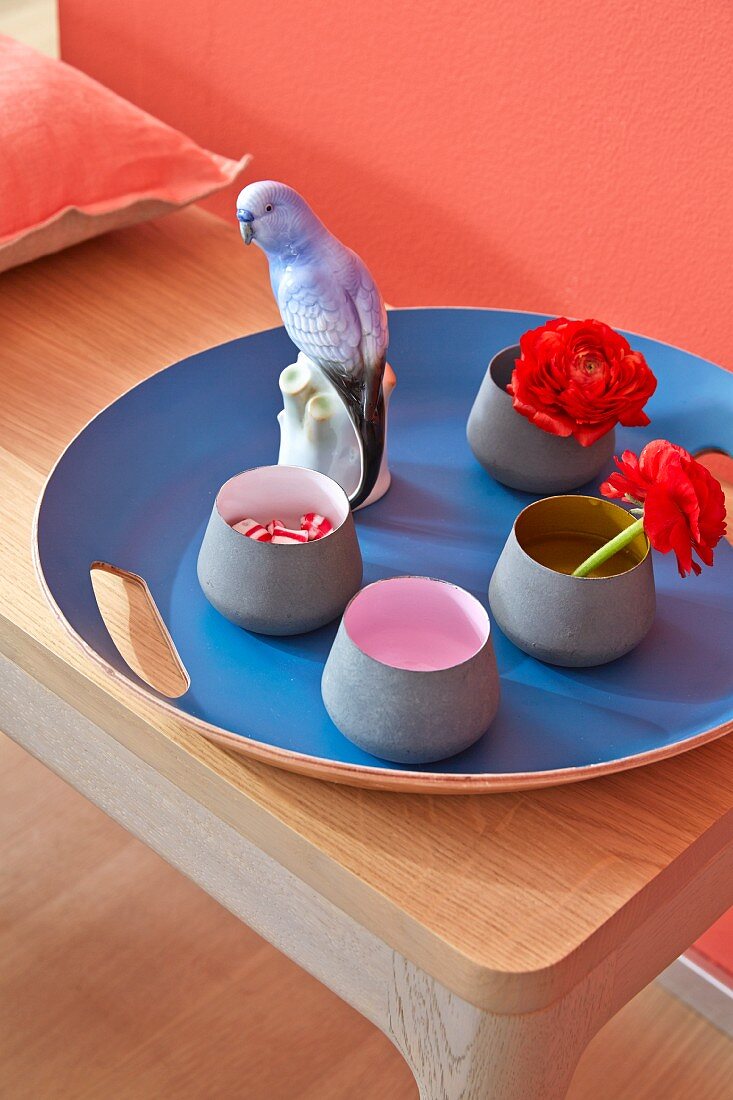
[508,900]
[232,1003]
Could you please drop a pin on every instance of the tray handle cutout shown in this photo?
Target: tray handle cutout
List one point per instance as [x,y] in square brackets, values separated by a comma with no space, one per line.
[137,628]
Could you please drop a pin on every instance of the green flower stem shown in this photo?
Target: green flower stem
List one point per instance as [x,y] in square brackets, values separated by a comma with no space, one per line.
[622,539]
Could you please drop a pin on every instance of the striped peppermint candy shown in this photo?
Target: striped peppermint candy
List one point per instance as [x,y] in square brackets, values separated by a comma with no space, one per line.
[284,536]
[315,526]
[253,530]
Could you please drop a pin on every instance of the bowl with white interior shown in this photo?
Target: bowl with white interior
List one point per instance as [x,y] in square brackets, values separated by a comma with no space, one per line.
[412,675]
[279,589]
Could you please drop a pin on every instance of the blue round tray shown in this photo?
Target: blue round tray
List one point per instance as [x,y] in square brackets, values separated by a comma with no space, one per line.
[135,489]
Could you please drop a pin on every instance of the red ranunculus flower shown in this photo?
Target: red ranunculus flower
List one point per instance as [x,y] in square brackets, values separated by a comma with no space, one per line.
[684,506]
[580,378]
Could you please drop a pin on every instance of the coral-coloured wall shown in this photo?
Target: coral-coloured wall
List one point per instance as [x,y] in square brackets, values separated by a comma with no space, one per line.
[542,154]
[558,155]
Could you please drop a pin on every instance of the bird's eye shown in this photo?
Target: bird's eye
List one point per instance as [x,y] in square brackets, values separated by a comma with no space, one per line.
[268,208]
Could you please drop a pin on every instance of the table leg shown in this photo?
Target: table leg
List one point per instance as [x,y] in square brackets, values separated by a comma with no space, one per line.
[458,1052]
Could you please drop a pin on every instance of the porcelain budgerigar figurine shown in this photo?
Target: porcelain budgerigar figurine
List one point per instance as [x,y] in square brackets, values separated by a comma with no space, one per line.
[330,306]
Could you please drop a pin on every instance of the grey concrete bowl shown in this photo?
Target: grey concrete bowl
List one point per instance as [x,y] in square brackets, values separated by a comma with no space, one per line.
[279,589]
[519,454]
[564,620]
[412,675]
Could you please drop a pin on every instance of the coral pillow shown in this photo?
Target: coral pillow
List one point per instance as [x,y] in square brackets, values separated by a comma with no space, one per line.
[77,160]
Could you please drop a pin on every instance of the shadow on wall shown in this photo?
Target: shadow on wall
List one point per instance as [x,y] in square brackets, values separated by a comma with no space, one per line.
[401,252]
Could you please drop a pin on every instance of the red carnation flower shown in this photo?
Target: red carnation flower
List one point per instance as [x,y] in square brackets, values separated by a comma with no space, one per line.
[684,506]
[580,378]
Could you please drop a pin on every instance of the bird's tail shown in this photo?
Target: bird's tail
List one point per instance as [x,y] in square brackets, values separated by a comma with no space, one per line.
[370,429]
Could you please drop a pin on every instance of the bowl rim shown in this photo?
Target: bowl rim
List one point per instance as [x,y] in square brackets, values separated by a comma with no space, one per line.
[417,671]
[646,557]
[284,466]
[492,363]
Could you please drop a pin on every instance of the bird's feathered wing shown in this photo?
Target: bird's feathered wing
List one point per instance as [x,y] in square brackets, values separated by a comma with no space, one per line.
[334,313]
[369,306]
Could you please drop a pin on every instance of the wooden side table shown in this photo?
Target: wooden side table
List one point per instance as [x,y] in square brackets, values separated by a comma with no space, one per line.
[490,937]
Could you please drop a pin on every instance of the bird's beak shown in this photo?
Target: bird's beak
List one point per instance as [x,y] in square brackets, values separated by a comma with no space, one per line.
[245,219]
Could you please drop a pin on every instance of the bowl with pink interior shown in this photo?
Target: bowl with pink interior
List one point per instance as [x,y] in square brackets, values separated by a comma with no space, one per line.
[412,675]
[280,553]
